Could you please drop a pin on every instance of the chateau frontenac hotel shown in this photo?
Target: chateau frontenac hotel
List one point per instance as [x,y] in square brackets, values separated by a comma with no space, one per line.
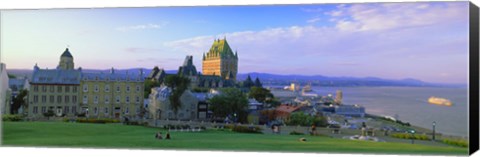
[219,67]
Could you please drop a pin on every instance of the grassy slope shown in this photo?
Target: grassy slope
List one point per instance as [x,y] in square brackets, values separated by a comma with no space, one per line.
[58,134]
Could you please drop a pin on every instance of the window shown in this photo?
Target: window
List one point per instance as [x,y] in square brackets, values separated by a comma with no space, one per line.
[192,106]
[128,88]
[35,98]
[59,99]
[44,89]
[95,99]
[106,110]
[74,99]
[66,109]
[52,99]
[96,88]
[52,89]
[126,110]
[74,89]
[35,109]
[85,99]
[107,88]
[117,99]
[118,88]
[137,99]
[95,110]
[67,89]
[85,88]
[138,88]
[74,109]
[107,99]
[35,88]
[127,99]
[67,99]
[44,98]
[59,89]
[44,109]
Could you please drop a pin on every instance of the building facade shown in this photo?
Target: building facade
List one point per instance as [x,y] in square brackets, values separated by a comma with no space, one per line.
[220,61]
[4,90]
[55,89]
[160,108]
[71,92]
[111,95]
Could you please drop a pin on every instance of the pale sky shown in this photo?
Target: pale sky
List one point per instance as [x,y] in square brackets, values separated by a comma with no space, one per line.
[426,41]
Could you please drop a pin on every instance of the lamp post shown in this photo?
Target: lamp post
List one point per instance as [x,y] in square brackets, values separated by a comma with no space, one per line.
[413,135]
[433,136]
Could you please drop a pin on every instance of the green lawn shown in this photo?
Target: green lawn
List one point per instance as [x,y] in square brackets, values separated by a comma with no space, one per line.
[58,134]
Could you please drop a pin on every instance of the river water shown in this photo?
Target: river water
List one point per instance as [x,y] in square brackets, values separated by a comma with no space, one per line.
[410,104]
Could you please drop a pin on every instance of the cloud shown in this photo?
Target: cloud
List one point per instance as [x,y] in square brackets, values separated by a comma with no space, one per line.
[141,50]
[385,16]
[314,20]
[394,34]
[141,27]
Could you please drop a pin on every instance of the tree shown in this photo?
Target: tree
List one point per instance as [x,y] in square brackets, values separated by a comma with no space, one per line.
[19,101]
[300,118]
[148,85]
[258,83]
[11,76]
[178,84]
[49,114]
[229,102]
[248,82]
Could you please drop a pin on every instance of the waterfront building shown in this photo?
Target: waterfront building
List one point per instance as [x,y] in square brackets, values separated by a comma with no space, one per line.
[350,110]
[4,90]
[112,95]
[338,97]
[283,112]
[160,107]
[55,89]
[220,61]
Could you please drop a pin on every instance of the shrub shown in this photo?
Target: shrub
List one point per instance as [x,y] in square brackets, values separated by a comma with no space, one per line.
[459,142]
[12,118]
[409,136]
[296,133]
[98,121]
[245,129]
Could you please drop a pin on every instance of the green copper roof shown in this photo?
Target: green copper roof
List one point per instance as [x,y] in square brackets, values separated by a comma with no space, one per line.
[221,47]
[67,54]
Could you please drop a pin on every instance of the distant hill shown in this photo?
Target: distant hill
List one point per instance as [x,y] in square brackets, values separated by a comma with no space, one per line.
[275,79]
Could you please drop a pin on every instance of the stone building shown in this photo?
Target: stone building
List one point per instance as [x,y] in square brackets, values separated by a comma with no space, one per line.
[112,94]
[71,92]
[55,89]
[160,107]
[220,61]
[4,90]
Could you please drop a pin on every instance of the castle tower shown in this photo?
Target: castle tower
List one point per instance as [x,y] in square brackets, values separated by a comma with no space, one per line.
[66,61]
[220,60]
